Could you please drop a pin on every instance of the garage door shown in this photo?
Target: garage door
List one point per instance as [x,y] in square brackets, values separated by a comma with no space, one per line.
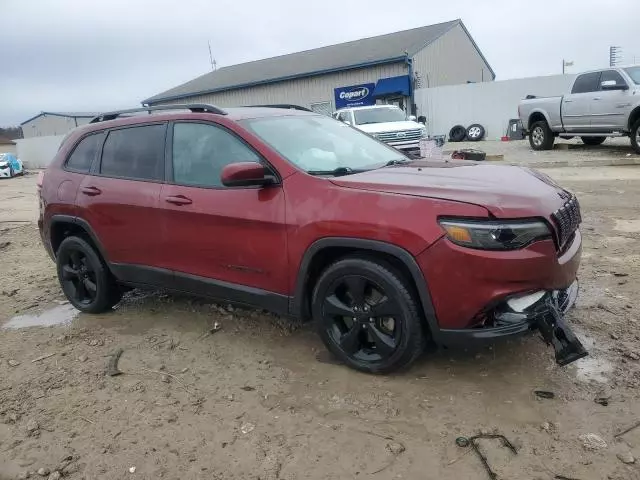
[323,108]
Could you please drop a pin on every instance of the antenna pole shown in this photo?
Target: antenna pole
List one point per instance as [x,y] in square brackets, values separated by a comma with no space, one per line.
[211,60]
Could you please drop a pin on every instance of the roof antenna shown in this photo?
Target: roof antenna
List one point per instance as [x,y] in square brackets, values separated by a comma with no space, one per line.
[214,65]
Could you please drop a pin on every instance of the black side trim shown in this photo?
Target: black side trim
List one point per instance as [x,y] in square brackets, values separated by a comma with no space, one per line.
[139,275]
[81,223]
[296,305]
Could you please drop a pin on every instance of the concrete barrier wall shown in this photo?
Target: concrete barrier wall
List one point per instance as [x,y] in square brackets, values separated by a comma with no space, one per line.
[490,104]
[37,152]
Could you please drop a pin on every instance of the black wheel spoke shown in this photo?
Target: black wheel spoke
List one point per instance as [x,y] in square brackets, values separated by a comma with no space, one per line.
[68,272]
[90,287]
[385,344]
[386,307]
[356,289]
[333,306]
[350,341]
[81,290]
[76,259]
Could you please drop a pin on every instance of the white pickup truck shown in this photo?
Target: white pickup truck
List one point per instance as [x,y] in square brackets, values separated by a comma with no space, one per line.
[388,124]
[602,103]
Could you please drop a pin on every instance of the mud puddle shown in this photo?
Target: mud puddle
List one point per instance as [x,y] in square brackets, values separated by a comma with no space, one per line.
[594,367]
[60,315]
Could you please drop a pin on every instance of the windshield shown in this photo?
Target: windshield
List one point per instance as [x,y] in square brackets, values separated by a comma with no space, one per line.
[379,115]
[322,144]
[634,73]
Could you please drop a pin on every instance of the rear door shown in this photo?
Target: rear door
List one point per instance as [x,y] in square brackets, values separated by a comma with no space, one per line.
[219,239]
[119,199]
[609,107]
[576,107]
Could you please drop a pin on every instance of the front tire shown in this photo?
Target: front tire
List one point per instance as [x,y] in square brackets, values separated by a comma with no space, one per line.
[541,137]
[367,316]
[84,278]
[635,137]
[593,141]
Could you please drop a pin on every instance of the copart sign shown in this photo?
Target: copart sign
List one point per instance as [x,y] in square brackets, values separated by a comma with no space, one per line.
[355,95]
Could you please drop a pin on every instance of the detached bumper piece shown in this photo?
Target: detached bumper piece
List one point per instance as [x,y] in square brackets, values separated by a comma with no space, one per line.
[542,311]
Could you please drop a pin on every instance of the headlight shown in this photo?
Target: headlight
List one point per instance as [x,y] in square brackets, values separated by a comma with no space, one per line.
[423,132]
[495,235]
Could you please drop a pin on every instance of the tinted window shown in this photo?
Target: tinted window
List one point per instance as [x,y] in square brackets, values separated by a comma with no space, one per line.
[589,82]
[344,117]
[609,75]
[84,153]
[136,152]
[201,151]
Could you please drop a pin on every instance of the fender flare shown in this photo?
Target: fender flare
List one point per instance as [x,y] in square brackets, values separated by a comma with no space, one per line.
[532,113]
[58,218]
[297,307]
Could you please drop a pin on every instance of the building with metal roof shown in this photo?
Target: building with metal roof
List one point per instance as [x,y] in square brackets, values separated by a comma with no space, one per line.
[54,123]
[382,69]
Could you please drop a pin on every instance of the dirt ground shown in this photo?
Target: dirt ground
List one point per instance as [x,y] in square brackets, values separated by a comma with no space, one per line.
[259,399]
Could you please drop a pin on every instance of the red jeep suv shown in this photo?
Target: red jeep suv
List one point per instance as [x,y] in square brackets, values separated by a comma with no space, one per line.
[300,214]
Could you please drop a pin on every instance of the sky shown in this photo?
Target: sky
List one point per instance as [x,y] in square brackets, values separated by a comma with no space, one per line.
[82,55]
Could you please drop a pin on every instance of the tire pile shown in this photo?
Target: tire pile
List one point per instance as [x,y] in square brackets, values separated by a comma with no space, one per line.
[473,133]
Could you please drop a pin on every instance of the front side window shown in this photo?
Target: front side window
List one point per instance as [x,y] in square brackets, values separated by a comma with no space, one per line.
[83,155]
[588,82]
[135,152]
[201,151]
[379,115]
[318,144]
[609,75]
[634,73]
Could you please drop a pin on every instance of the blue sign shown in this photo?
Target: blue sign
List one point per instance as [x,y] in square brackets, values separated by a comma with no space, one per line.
[355,96]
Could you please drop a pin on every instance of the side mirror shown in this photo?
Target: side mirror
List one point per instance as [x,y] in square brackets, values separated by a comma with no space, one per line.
[412,118]
[246,174]
[347,122]
[613,85]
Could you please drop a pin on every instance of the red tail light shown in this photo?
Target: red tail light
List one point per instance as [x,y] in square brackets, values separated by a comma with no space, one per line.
[40,179]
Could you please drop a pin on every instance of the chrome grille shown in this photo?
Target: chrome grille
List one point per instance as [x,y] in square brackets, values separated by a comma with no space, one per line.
[401,136]
[567,219]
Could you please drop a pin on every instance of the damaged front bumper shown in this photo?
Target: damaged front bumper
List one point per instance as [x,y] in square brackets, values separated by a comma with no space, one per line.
[543,311]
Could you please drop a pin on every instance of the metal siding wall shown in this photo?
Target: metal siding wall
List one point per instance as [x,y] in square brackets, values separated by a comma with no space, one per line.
[46,125]
[450,60]
[303,92]
[491,104]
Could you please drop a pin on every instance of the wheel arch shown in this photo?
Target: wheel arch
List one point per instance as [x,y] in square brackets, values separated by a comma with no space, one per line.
[634,116]
[325,251]
[537,116]
[63,226]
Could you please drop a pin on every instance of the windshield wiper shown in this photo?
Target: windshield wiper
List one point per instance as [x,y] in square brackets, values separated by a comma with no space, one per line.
[396,162]
[336,172]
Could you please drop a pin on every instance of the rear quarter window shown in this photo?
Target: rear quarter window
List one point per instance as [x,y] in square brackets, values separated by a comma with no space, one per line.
[84,154]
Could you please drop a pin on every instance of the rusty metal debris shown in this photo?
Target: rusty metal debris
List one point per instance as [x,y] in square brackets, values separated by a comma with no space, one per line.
[464,442]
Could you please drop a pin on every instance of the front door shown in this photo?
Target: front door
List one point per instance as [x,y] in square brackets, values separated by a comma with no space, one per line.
[119,199]
[220,241]
[576,107]
[610,106]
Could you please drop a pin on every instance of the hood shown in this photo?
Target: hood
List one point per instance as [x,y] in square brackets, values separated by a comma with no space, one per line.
[389,126]
[506,191]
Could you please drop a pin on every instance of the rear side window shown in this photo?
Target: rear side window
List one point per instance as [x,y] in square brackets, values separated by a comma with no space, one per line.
[135,152]
[84,153]
[589,82]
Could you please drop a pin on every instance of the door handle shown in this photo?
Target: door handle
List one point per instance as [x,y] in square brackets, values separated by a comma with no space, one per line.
[178,200]
[568,101]
[597,98]
[91,191]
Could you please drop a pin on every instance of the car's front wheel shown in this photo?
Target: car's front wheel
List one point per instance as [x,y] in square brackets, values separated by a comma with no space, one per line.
[541,136]
[85,279]
[367,315]
[635,137]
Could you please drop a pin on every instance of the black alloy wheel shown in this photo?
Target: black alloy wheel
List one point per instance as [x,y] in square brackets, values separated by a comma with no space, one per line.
[84,278]
[367,317]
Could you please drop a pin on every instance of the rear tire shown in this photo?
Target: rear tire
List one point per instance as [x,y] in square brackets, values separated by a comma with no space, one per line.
[593,141]
[85,279]
[367,316]
[475,132]
[635,137]
[541,137]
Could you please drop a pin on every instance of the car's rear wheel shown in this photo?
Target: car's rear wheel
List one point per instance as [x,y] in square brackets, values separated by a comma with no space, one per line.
[593,141]
[635,136]
[367,315]
[85,279]
[541,137]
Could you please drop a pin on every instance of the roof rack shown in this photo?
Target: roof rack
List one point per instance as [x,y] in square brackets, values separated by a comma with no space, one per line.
[194,107]
[284,105]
